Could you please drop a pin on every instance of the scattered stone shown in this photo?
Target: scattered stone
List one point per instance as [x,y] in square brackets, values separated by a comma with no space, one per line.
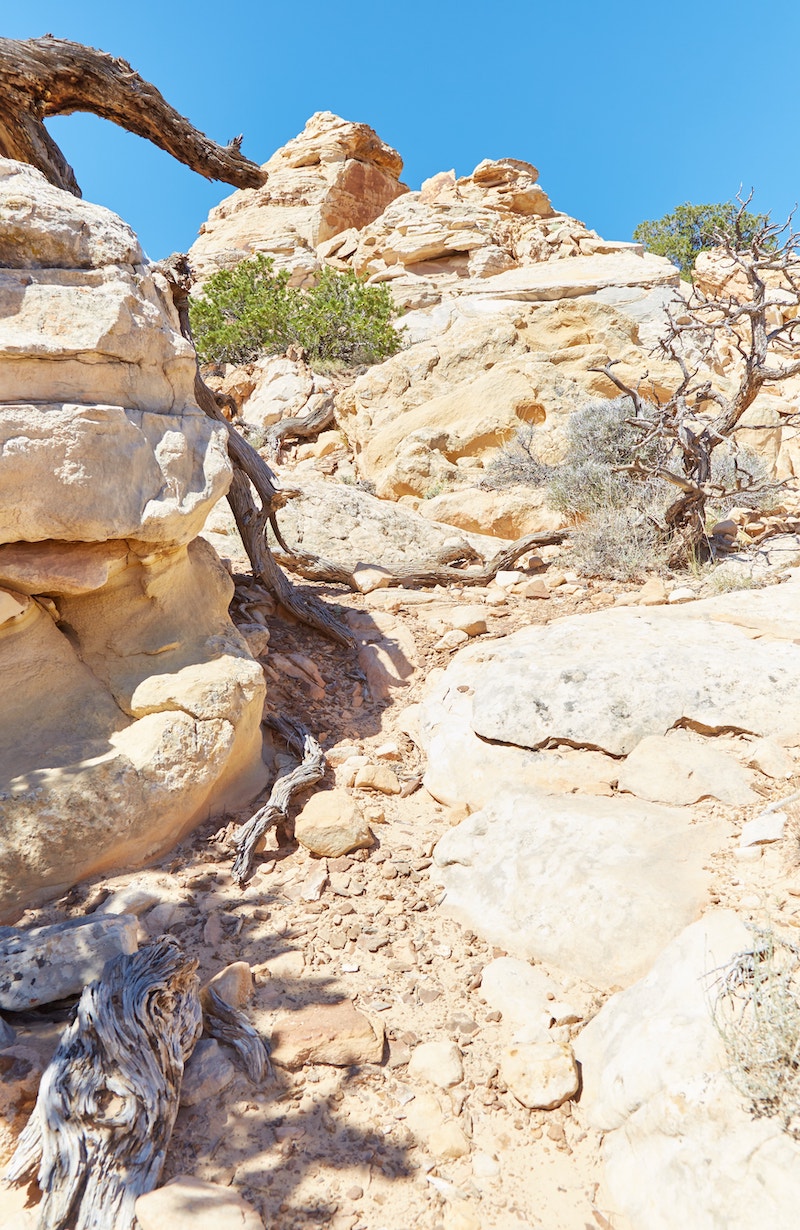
[448,1141]
[51,963]
[541,1075]
[331,824]
[524,994]
[315,881]
[186,1203]
[233,984]
[388,751]
[469,619]
[377,777]
[337,1034]
[763,829]
[508,577]
[769,758]
[132,899]
[452,639]
[437,1062]
[367,577]
[536,587]
[652,593]
[682,593]
[677,769]
[208,1071]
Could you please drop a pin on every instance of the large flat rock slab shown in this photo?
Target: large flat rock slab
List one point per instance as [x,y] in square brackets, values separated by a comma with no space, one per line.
[351,527]
[596,886]
[577,275]
[608,680]
[682,1147]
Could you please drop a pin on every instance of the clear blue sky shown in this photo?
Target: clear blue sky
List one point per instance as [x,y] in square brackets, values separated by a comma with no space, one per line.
[627,109]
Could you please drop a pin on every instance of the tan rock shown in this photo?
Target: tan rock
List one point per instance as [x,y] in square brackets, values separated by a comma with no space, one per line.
[770,759]
[511,513]
[652,593]
[448,1141]
[60,567]
[187,1203]
[541,1075]
[452,640]
[331,824]
[234,984]
[156,720]
[334,176]
[536,587]
[473,373]
[677,769]
[11,606]
[439,1063]
[377,777]
[469,619]
[326,1033]
[369,577]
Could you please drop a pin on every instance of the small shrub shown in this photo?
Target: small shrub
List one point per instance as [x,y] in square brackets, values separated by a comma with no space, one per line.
[251,310]
[601,440]
[691,229]
[516,464]
[757,1013]
[625,544]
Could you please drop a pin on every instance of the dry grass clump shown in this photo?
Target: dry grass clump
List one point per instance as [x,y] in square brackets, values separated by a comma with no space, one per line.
[757,1013]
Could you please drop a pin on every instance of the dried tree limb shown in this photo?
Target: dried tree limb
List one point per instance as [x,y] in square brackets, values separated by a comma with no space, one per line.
[232,1027]
[250,467]
[99,1131]
[320,416]
[48,76]
[426,572]
[310,770]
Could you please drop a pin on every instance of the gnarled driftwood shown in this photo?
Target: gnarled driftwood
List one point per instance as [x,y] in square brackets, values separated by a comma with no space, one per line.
[40,77]
[98,1134]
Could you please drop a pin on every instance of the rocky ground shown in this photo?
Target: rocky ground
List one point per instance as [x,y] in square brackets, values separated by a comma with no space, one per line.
[392,1100]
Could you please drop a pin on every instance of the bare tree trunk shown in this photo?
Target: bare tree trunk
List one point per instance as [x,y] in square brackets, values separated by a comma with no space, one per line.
[99,1131]
[49,76]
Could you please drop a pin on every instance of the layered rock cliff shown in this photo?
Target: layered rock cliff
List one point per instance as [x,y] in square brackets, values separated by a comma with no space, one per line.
[131,705]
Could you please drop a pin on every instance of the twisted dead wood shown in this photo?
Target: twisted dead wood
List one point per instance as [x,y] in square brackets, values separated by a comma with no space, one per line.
[99,1131]
[232,1027]
[459,570]
[41,77]
[320,417]
[310,770]
[250,467]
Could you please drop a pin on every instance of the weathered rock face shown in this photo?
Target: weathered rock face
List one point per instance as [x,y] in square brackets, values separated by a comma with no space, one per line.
[474,372]
[333,176]
[655,1080]
[139,702]
[653,706]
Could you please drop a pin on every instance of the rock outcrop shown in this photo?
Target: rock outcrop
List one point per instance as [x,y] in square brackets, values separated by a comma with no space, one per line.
[131,705]
[332,177]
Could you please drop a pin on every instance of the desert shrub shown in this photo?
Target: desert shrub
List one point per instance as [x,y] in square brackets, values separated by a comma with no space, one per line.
[600,442]
[251,310]
[623,543]
[516,464]
[757,1013]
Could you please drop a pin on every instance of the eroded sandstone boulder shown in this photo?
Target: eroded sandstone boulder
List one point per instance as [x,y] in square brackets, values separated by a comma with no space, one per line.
[131,705]
[335,175]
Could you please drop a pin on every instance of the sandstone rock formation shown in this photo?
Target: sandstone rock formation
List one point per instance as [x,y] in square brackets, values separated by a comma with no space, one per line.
[132,706]
[333,176]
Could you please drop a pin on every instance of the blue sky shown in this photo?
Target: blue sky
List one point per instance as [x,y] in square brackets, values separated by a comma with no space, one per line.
[627,109]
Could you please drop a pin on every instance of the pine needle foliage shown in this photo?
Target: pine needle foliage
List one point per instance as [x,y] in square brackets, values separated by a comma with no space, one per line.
[252,310]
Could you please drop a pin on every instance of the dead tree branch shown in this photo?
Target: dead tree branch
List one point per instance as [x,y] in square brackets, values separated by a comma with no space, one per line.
[310,770]
[99,1131]
[250,467]
[42,77]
